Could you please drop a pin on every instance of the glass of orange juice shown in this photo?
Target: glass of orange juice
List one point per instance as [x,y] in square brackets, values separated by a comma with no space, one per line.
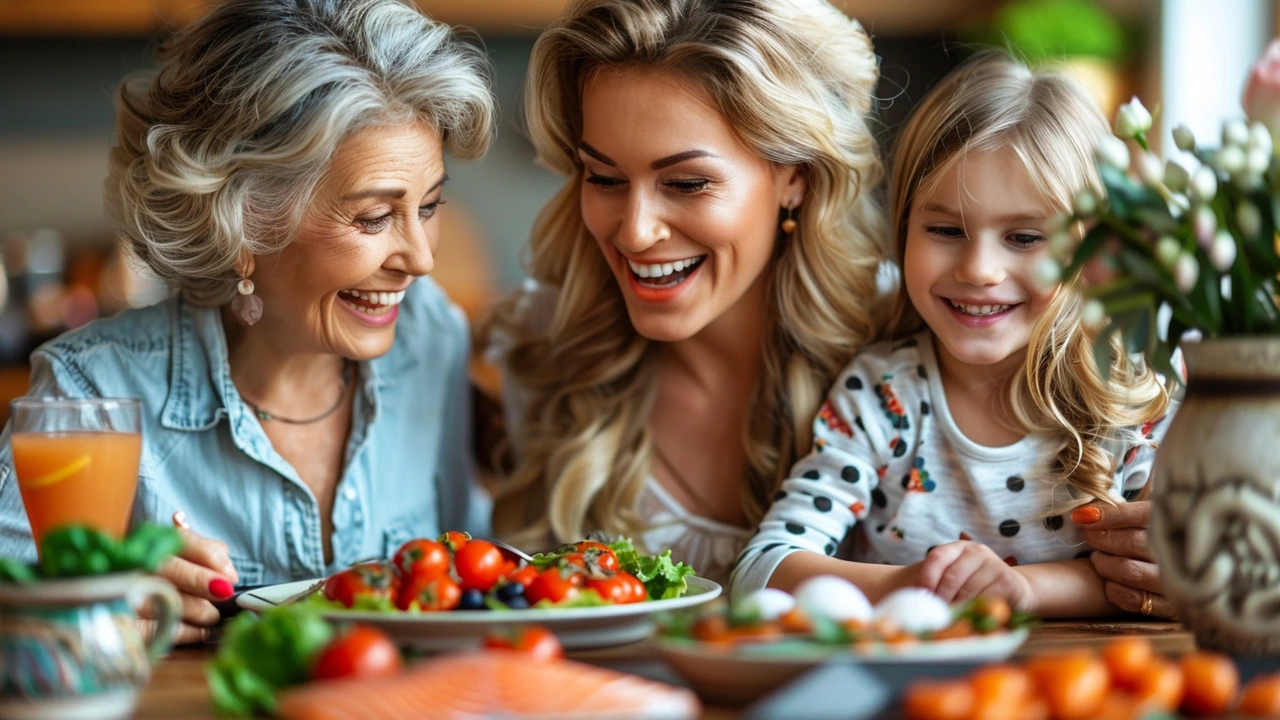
[77,461]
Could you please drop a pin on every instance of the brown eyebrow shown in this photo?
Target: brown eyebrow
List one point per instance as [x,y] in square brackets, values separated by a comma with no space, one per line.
[1012,219]
[656,164]
[388,193]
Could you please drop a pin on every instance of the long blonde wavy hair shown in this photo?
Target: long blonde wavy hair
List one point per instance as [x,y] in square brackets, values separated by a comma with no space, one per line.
[1052,123]
[795,79]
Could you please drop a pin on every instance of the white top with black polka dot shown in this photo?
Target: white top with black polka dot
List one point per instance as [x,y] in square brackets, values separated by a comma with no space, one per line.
[890,464]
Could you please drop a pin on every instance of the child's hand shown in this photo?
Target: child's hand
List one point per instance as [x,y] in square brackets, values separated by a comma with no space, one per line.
[963,570]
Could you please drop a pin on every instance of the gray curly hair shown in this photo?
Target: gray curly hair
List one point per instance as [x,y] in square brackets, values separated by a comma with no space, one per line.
[221,149]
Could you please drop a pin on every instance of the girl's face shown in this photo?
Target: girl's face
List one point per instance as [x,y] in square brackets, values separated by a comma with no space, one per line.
[972,246]
[685,214]
[370,231]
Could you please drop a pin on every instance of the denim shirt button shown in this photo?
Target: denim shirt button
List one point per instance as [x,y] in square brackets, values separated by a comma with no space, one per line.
[350,492]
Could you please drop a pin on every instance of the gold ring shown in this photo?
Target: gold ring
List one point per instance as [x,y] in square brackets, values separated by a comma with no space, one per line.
[1146,603]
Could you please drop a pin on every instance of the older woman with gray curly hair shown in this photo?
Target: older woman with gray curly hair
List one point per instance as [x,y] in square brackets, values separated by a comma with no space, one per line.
[304,391]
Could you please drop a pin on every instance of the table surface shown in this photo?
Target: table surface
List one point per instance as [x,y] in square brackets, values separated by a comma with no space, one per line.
[178,686]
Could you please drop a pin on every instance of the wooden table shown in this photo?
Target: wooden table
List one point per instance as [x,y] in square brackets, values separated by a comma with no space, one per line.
[178,686]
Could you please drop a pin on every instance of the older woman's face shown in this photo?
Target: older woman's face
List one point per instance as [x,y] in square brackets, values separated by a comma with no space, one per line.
[369,233]
[685,214]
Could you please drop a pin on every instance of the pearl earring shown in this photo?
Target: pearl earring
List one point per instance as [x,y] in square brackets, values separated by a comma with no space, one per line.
[246,306]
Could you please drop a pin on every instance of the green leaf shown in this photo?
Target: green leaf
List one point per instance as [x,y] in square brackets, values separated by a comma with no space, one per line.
[15,572]
[1102,352]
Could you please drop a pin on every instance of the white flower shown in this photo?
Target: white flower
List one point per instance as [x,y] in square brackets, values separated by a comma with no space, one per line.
[1260,138]
[1113,152]
[1204,224]
[1249,218]
[1178,205]
[1047,273]
[1257,160]
[1222,253]
[1176,175]
[1151,170]
[1167,251]
[1086,203]
[1235,133]
[1061,243]
[1231,159]
[1184,139]
[1185,272]
[1132,119]
[1093,314]
[1204,185]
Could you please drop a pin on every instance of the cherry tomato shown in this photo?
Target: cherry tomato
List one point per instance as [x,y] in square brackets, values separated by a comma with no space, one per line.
[996,685]
[598,556]
[479,564]
[1074,685]
[1160,687]
[948,700]
[1118,705]
[369,580]
[524,575]
[454,539]
[431,594]
[1128,658]
[620,588]
[552,584]
[422,559]
[362,651]
[1261,697]
[534,640]
[1211,683]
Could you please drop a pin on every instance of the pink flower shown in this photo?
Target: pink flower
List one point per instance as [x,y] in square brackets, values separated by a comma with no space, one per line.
[1262,92]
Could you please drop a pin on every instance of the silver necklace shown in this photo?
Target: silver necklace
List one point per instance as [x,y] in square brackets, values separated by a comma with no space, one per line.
[263,415]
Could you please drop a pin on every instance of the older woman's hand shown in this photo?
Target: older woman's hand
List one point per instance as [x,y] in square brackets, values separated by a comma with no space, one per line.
[203,574]
[1122,556]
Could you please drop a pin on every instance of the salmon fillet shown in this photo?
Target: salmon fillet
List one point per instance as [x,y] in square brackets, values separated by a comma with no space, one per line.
[488,685]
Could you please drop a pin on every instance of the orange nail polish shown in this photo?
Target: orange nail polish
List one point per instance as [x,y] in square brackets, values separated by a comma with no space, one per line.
[1086,515]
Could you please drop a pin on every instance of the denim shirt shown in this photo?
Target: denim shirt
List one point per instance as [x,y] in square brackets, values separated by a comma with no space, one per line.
[407,469]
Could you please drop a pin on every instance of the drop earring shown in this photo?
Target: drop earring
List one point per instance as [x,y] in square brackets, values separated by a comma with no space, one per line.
[246,306]
[789,223]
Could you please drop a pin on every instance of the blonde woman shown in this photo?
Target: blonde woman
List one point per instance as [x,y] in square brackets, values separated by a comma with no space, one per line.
[304,390]
[955,453]
[707,268]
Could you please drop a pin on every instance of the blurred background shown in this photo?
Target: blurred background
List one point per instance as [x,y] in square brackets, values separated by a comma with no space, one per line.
[60,61]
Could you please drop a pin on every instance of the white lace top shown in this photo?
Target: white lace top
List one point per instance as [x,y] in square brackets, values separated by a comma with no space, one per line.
[707,545]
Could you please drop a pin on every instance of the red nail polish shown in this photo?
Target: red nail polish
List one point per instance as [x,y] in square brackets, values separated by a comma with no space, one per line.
[221,588]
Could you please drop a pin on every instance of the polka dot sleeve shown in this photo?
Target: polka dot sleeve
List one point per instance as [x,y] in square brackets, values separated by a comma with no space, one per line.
[832,488]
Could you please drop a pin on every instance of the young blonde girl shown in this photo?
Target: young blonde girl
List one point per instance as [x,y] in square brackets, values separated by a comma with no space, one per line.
[957,451]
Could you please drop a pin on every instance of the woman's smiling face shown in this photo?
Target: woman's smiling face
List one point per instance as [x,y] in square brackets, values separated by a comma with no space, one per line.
[685,214]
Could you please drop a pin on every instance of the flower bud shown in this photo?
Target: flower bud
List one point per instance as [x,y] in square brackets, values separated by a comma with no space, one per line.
[1235,133]
[1204,185]
[1113,152]
[1231,159]
[1061,244]
[1222,253]
[1176,176]
[1257,160]
[1247,181]
[1093,314]
[1249,218]
[1260,138]
[1184,139]
[1185,272]
[1086,203]
[1132,119]
[1047,273]
[1167,251]
[1151,170]
[1204,224]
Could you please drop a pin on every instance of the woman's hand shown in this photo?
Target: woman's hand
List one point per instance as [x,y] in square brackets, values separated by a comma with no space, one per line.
[963,570]
[203,574]
[1122,556]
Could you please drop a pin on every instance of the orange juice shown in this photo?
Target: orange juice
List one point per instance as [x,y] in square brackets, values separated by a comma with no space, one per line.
[77,478]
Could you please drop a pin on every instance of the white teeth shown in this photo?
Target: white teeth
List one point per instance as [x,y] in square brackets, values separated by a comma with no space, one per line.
[655,270]
[979,310]
[384,300]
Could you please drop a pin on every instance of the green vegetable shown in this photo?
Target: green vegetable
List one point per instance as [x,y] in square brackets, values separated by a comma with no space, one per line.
[664,578]
[585,598]
[15,572]
[262,654]
[81,550]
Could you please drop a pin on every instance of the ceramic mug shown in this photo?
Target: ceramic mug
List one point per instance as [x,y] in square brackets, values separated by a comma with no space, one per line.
[73,649]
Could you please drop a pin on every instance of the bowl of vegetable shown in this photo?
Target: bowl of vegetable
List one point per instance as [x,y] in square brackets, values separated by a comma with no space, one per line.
[445,594]
[70,646]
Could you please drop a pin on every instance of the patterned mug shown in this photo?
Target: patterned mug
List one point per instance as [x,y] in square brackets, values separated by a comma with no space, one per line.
[73,649]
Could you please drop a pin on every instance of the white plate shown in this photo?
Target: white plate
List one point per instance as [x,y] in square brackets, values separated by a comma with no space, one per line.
[743,672]
[577,628]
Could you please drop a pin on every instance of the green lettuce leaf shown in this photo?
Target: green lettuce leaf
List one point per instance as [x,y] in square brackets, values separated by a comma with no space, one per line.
[662,577]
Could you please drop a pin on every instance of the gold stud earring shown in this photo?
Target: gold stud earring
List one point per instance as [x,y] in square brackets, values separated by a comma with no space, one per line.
[789,224]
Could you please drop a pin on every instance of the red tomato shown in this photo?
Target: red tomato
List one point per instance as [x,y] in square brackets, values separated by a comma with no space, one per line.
[454,539]
[622,588]
[535,640]
[524,575]
[598,556]
[362,652]
[431,594]
[372,580]
[552,584]
[479,564]
[421,558]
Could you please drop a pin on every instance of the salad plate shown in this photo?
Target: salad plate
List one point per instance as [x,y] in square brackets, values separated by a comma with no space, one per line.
[578,628]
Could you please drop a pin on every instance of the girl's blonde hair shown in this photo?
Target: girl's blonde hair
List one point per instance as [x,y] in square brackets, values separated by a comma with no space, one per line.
[993,101]
[795,79]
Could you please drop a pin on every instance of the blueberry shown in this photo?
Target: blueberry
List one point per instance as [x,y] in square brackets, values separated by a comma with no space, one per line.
[508,591]
[471,600]
[518,603]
